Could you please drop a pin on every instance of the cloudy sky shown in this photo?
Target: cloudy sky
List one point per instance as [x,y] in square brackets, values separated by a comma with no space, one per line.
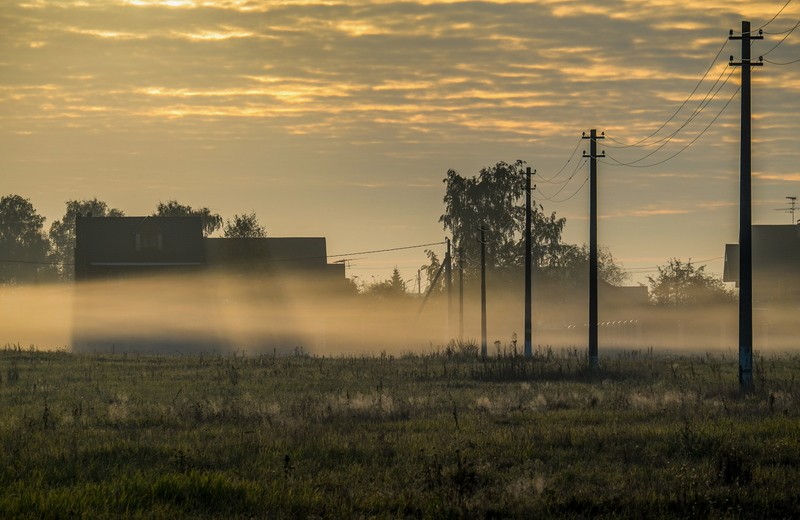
[340,118]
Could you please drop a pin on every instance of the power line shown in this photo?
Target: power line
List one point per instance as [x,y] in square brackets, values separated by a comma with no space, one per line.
[633,165]
[385,250]
[401,248]
[788,33]
[776,15]
[575,193]
[707,99]
[539,178]
[572,175]
[710,67]
[782,63]
[651,267]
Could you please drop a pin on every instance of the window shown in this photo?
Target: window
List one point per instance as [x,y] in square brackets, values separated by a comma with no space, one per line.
[149,241]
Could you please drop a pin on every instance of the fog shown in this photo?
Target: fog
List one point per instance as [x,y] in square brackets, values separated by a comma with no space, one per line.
[214,312]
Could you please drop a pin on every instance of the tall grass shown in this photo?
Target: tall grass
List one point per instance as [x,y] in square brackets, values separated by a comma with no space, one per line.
[445,434]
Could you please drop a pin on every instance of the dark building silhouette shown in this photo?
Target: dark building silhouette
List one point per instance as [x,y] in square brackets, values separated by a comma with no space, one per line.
[776,283]
[147,308]
[124,246]
[776,264]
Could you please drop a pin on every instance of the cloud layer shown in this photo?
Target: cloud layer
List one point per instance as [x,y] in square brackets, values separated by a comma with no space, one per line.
[306,103]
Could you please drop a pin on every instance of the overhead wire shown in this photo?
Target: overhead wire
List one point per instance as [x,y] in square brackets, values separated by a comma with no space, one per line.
[689,261]
[788,33]
[575,193]
[782,63]
[776,15]
[700,108]
[572,175]
[694,115]
[677,111]
[297,259]
[698,136]
[550,180]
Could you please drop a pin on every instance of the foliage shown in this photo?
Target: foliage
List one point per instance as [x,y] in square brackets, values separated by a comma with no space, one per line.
[394,287]
[434,436]
[572,264]
[431,268]
[172,208]
[244,226]
[494,199]
[23,245]
[62,232]
[684,284]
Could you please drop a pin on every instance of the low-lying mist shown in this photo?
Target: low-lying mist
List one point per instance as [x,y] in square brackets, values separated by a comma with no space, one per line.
[213,312]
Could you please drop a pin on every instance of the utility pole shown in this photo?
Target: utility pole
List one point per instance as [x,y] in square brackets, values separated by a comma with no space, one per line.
[460,252]
[745,210]
[419,281]
[483,291]
[791,209]
[594,360]
[528,262]
[448,283]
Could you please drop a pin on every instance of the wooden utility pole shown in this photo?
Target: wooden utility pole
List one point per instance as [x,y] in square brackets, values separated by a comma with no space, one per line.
[483,291]
[460,252]
[745,210]
[594,360]
[528,266]
[448,282]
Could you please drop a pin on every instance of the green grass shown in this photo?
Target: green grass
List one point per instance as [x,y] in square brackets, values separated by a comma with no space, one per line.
[433,436]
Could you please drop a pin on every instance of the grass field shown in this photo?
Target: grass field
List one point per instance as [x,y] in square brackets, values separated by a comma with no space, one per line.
[432,436]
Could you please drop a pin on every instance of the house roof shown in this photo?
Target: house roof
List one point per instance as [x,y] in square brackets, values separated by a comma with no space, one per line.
[118,240]
[272,252]
[776,249]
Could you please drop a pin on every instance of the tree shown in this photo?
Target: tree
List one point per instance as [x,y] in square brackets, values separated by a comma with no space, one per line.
[572,263]
[394,287]
[682,283]
[495,198]
[23,245]
[244,226]
[431,268]
[172,208]
[62,232]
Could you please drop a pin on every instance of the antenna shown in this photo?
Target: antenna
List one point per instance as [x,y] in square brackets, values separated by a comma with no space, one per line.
[791,209]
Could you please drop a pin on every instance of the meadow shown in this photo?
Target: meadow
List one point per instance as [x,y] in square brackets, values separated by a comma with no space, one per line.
[439,435]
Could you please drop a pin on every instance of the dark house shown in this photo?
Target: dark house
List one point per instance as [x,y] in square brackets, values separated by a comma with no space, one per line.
[124,246]
[304,256]
[776,264]
[776,283]
[165,295]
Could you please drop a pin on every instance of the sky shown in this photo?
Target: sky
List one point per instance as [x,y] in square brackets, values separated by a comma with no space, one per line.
[341,118]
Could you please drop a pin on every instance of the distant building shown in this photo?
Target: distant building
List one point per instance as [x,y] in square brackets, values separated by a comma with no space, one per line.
[776,264]
[124,246]
[153,304]
[776,283]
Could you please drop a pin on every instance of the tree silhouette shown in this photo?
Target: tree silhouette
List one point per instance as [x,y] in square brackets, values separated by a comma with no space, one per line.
[244,226]
[62,232]
[682,283]
[172,208]
[495,199]
[394,287]
[23,245]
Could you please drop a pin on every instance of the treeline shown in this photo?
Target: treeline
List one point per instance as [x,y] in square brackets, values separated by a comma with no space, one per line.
[495,200]
[30,254]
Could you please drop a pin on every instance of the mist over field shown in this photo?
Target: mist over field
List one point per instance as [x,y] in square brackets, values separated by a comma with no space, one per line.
[215,312]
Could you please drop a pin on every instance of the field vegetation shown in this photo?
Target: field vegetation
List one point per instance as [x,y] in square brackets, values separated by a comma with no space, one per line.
[440,435]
